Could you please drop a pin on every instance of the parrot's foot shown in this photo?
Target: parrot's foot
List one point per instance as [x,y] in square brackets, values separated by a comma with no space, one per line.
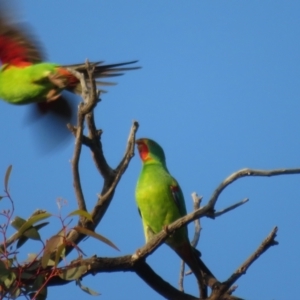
[52,95]
[136,255]
[166,229]
[57,81]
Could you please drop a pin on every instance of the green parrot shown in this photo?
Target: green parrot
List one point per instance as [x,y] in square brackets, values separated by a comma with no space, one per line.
[25,77]
[160,202]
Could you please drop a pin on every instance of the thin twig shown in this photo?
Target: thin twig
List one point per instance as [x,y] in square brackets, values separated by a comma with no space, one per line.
[85,94]
[181,275]
[248,172]
[231,207]
[226,287]
[82,110]
[96,149]
[129,153]
[75,162]
[196,201]
[89,103]
[264,246]
[196,204]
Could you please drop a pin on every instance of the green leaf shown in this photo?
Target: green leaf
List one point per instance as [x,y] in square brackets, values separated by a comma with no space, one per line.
[25,275]
[73,273]
[30,233]
[6,179]
[10,262]
[59,253]
[42,294]
[45,259]
[51,245]
[9,280]
[4,271]
[96,236]
[40,226]
[17,222]
[82,213]
[86,289]
[31,221]
[38,282]
[36,218]
[33,266]
[21,241]
[33,234]
[15,293]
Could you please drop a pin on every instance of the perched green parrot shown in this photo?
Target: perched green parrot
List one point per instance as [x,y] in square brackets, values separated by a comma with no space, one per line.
[26,78]
[160,202]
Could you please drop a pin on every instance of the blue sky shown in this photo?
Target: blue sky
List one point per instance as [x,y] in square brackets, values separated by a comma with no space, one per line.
[219,90]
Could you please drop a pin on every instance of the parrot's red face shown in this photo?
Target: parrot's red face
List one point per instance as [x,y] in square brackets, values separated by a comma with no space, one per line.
[143,149]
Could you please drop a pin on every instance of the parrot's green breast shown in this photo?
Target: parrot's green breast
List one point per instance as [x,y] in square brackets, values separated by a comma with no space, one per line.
[26,85]
[156,203]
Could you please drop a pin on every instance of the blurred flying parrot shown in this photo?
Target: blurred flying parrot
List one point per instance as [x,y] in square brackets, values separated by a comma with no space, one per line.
[160,202]
[26,78]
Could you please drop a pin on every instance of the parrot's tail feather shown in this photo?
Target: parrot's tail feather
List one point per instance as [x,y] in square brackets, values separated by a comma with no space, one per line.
[111,66]
[100,71]
[103,74]
[105,83]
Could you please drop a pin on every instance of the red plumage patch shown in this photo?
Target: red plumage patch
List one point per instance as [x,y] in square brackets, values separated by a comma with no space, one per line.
[143,150]
[174,188]
[12,52]
[71,80]
[176,195]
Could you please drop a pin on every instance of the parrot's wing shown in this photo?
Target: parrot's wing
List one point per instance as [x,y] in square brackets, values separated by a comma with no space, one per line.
[17,44]
[178,198]
[62,108]
[50,119]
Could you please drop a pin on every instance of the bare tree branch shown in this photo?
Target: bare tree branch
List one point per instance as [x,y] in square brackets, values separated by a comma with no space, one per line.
[231,207]
[223,288]
[197,201]
[181,276]
[106,196]
[159,285]
[111,177]
[196,204]
[265,245]
[75,162]
[95,265]
[118,172]
[90,100]
[248,172]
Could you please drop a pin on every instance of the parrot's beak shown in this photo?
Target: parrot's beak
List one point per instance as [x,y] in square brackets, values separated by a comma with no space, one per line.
[139,143]
[141,147]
